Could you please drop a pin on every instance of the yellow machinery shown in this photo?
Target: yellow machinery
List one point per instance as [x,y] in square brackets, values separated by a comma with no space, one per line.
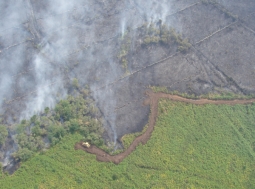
[85,144]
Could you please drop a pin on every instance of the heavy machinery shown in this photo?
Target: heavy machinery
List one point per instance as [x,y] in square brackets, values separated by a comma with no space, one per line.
[85,144]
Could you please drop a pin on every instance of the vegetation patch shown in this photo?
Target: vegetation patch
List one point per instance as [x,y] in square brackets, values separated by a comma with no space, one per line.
[3,134]
[162,34]
[219,94]
[151,34]
[75,114]
[192,146]
[129,138]
[125,41]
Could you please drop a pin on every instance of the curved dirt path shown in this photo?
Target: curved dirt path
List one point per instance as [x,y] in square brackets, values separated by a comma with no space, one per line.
[152,100]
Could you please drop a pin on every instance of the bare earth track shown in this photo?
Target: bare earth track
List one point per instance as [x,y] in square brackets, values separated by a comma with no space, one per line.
[152,100]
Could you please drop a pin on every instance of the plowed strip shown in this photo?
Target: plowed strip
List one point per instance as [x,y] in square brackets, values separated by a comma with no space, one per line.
[153,99]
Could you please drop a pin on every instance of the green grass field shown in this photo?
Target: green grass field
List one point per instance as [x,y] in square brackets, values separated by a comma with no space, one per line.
[192,146]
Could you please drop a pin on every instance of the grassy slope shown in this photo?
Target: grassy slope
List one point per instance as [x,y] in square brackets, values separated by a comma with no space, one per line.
[192,147]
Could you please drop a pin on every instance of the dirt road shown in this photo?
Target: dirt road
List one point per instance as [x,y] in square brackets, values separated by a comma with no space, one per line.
[152,100]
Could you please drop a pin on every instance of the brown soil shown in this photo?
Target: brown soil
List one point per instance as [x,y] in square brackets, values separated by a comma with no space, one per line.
[152,100]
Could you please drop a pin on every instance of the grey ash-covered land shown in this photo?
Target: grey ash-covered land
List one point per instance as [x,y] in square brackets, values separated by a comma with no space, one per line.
[118,48]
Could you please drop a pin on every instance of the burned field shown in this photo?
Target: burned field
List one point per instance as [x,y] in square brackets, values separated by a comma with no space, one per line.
[118,49]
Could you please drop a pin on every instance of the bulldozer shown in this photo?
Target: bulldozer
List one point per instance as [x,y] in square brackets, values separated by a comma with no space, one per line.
[85,144]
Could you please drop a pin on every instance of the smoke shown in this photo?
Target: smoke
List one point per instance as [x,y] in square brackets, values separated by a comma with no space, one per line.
[33,57]
[44,44]
[49,60]
[107,105]
[152,11]
[48,90]
[13,14]
[104,93]
[5,82]
[123,26]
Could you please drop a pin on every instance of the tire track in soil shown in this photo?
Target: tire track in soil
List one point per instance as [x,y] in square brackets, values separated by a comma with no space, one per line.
[152,100]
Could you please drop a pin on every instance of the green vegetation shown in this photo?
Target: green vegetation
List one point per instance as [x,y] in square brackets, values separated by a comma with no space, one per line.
[219,95]
[192,146]
[163,35]
[1,171]
[157,89]
[152,34]
[124,51]
[129,138]
[75,83]
[3,134]
[126,141]
[71,115]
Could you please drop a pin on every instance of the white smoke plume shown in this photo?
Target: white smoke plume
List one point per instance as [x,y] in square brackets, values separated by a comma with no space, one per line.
[43,44]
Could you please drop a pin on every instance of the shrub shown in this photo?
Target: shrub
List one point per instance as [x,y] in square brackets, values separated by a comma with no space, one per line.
[165,36]
[23,154]
[3,134]
[71,115]
[46,110]
[75,83]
